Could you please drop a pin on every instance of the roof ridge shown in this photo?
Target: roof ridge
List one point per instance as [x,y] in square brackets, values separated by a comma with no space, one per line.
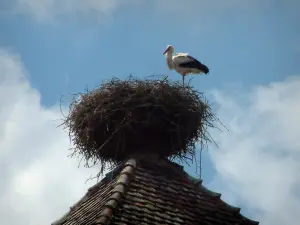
[76,204]
[118,192]
[217,196]
[109,176]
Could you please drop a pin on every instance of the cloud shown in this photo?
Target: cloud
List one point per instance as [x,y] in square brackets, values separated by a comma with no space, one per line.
[203,5]
[38,181]
[48,10]
[258,161]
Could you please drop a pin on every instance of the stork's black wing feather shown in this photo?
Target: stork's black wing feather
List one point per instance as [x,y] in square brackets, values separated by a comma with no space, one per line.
[194,63]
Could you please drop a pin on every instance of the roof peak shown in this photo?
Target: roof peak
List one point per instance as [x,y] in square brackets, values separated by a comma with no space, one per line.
[157,187]
[153,162]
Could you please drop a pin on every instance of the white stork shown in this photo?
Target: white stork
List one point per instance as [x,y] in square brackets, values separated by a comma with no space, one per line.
[183,63]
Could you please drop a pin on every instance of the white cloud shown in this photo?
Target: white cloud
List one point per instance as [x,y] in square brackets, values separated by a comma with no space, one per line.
[259,158]
[38,181]
[203,5]
[47,10]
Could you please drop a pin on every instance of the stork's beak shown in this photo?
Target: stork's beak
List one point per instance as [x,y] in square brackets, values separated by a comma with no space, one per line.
[166,51]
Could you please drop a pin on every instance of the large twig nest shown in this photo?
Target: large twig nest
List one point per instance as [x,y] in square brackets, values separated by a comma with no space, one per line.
[122,117]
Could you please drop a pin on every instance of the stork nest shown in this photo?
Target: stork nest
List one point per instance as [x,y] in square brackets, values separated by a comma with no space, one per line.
[122,117]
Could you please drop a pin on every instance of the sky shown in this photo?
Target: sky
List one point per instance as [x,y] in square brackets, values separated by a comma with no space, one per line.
[54,48]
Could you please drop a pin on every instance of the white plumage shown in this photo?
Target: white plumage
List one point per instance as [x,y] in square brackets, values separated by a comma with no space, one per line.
[183,63]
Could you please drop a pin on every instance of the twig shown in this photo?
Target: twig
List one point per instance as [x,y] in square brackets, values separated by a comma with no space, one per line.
[139,114]
[201,163]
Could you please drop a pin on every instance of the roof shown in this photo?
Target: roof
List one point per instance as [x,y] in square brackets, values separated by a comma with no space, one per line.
[149,190]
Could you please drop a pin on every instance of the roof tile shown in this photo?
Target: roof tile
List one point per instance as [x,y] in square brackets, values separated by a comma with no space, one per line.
[144,191]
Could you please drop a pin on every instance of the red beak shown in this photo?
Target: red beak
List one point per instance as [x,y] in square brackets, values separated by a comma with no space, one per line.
[166,51]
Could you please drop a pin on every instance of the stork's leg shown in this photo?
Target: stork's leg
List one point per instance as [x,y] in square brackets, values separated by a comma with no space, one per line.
[183,75]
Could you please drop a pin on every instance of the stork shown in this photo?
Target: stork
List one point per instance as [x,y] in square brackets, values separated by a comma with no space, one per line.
[183,63]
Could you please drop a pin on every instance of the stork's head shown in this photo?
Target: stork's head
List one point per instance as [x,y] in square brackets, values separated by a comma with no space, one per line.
[169,49]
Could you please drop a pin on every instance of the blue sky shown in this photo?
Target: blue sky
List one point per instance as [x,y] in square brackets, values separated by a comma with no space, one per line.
[68,46]
[252,45]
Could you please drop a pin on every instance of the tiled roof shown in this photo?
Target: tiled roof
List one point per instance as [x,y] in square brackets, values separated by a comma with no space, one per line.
[151,191]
